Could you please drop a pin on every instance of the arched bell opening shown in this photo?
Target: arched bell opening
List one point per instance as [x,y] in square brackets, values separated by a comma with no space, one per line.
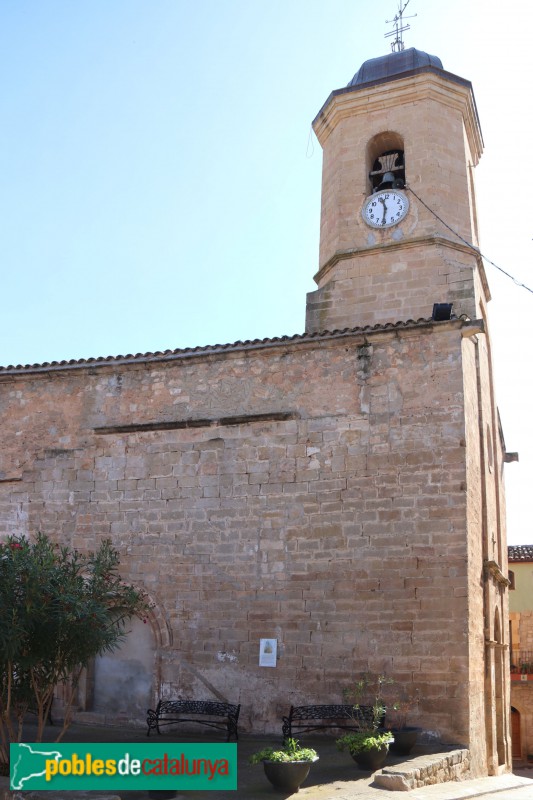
[386,162]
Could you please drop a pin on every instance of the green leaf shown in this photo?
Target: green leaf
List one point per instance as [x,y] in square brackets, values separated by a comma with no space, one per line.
[58,610]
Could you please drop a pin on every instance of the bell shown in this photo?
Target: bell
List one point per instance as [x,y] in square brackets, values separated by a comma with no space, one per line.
[390,182]
[387,182]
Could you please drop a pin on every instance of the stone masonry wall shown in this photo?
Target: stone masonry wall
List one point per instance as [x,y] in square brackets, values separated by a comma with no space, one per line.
[392,282]
[370,275]
[437,161]
[311,492]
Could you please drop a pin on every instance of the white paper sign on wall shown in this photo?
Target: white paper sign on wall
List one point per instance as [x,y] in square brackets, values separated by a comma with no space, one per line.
[268,649]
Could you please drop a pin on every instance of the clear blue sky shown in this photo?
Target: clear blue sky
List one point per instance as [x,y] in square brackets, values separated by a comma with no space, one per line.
[161,186]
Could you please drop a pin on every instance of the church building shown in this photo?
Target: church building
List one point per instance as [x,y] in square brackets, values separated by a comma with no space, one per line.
[304,509]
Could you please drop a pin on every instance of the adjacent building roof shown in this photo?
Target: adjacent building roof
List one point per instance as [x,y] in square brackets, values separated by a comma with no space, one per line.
[522,552]
[393,64]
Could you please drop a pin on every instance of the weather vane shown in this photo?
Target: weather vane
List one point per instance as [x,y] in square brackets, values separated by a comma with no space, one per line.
[397,45]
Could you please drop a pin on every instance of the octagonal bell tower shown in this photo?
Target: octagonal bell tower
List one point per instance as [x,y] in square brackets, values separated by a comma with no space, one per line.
[399,235]
[400,144]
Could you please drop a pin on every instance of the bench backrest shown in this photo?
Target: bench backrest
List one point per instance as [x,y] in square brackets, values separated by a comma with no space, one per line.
[362,714]
[196,707]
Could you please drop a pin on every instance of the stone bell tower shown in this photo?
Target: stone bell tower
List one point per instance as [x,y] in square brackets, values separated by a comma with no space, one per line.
[406,126]
[399,235]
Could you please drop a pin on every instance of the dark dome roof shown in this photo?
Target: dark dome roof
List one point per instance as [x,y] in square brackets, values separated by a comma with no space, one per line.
[394,64]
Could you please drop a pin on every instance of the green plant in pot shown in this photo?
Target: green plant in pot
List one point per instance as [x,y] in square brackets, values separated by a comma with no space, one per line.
[368,748]
[286,767]
[369,745]
[398,712]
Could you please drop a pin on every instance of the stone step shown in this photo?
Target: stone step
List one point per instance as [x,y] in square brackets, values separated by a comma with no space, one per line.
[425,770]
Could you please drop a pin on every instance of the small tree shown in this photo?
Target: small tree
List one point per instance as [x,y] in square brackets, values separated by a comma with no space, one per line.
[368,689]
[58,609]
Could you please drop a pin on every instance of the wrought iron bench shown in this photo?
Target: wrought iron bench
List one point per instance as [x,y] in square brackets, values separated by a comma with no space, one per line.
[223,716]
[314,718]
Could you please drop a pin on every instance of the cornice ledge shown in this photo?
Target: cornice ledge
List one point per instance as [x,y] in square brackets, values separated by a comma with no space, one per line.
[355,252]
[472,327]
[403,89]
[493,570]
[494,645]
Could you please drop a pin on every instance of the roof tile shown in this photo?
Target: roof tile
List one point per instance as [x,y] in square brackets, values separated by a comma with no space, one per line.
[522,552]
[170,354]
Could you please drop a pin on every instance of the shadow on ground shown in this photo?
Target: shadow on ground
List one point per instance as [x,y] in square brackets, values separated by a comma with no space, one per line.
[332,767]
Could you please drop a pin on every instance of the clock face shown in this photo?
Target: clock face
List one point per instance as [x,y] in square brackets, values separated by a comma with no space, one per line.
[386,208]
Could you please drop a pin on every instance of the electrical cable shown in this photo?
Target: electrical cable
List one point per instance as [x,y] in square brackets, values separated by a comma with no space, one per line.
[469,244]
[310,142]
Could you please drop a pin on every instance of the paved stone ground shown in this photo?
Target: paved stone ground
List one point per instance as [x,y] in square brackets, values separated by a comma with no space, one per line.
[334,777]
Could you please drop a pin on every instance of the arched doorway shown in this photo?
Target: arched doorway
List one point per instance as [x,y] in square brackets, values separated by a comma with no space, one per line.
[515,733]
[123,679]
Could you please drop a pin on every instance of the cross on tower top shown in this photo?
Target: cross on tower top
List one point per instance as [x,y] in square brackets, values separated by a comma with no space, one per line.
[397,44]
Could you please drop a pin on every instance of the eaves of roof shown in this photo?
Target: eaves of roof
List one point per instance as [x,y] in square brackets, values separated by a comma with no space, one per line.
[365,332]
[523,552]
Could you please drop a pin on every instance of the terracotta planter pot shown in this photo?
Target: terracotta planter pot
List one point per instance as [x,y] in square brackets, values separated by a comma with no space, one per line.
[371,760]
[288,776]
[404,741]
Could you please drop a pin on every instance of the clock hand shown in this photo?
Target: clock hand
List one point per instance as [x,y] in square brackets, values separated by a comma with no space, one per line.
[382,200]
